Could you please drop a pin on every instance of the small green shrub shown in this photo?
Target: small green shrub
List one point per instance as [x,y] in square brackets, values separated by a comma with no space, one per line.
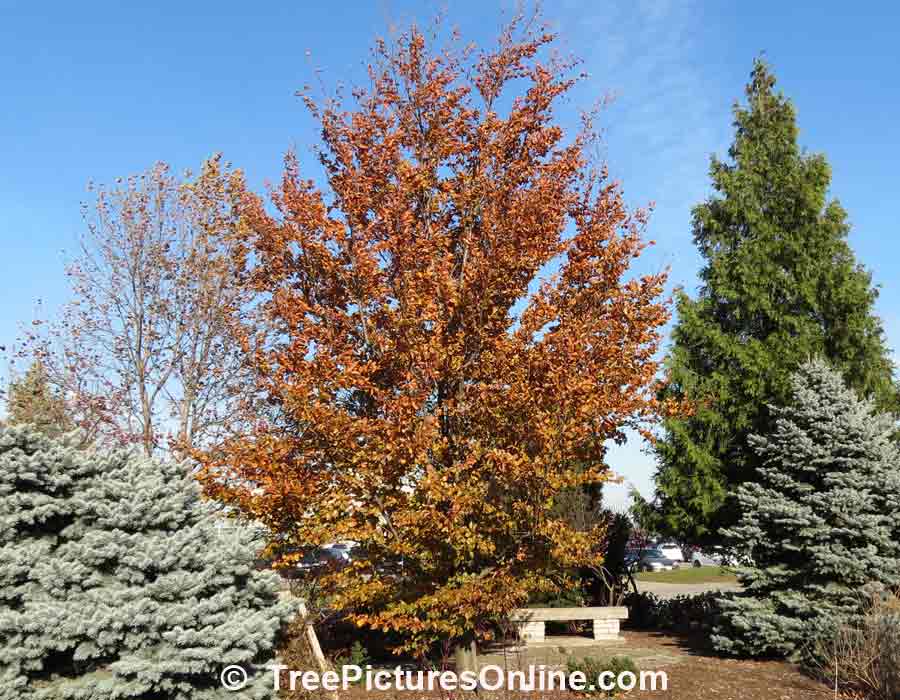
[592,667]
[569,598]
[358,655]
[683,613]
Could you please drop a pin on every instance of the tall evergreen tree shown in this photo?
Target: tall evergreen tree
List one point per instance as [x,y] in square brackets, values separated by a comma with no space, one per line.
[33,400]
[116,583]
[780,284]
[820,524]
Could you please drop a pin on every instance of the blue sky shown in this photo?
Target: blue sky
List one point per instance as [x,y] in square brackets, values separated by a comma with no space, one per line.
[96,90]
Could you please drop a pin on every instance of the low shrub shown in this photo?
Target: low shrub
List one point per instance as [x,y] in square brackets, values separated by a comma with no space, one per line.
[863,657]
[682,613]
[357,655]
[592,668]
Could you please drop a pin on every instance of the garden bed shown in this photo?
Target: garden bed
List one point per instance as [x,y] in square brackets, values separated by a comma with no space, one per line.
[692,674]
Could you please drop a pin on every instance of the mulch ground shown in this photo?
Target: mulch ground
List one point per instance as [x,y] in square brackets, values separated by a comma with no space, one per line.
[693,675]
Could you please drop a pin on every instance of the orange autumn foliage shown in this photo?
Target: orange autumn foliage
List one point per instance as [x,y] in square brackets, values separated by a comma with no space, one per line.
[450,338]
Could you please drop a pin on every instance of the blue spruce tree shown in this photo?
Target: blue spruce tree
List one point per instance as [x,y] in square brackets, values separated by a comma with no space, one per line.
[116,583]
[822,523]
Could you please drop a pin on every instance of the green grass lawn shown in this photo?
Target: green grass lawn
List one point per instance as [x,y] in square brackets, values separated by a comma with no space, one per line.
[690,574]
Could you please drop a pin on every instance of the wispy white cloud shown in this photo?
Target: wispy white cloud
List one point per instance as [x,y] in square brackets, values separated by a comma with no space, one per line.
[667,117]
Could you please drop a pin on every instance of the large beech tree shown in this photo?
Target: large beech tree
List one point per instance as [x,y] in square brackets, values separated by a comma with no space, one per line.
[452,337]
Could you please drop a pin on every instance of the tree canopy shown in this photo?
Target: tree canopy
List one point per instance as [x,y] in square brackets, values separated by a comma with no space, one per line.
[452,337]
[143,352]
[780,284]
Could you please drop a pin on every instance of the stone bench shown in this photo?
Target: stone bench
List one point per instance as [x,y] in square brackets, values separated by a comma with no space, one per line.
[531,621]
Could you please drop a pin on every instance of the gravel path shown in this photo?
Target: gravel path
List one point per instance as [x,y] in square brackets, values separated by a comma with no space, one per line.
[670,590]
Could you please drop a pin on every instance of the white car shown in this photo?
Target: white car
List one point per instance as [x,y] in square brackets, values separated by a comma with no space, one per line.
[670,550]
[712,557]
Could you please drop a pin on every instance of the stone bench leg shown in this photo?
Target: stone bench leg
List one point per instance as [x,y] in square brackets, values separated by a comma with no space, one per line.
[606,630]
[531,631]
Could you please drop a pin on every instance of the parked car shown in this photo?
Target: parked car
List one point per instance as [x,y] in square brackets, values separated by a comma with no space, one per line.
[631,556]
[339,551]
[670,550]
[655,560]
[715,556]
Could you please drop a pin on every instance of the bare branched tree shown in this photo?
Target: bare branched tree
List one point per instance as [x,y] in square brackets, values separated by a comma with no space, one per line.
[144,352]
